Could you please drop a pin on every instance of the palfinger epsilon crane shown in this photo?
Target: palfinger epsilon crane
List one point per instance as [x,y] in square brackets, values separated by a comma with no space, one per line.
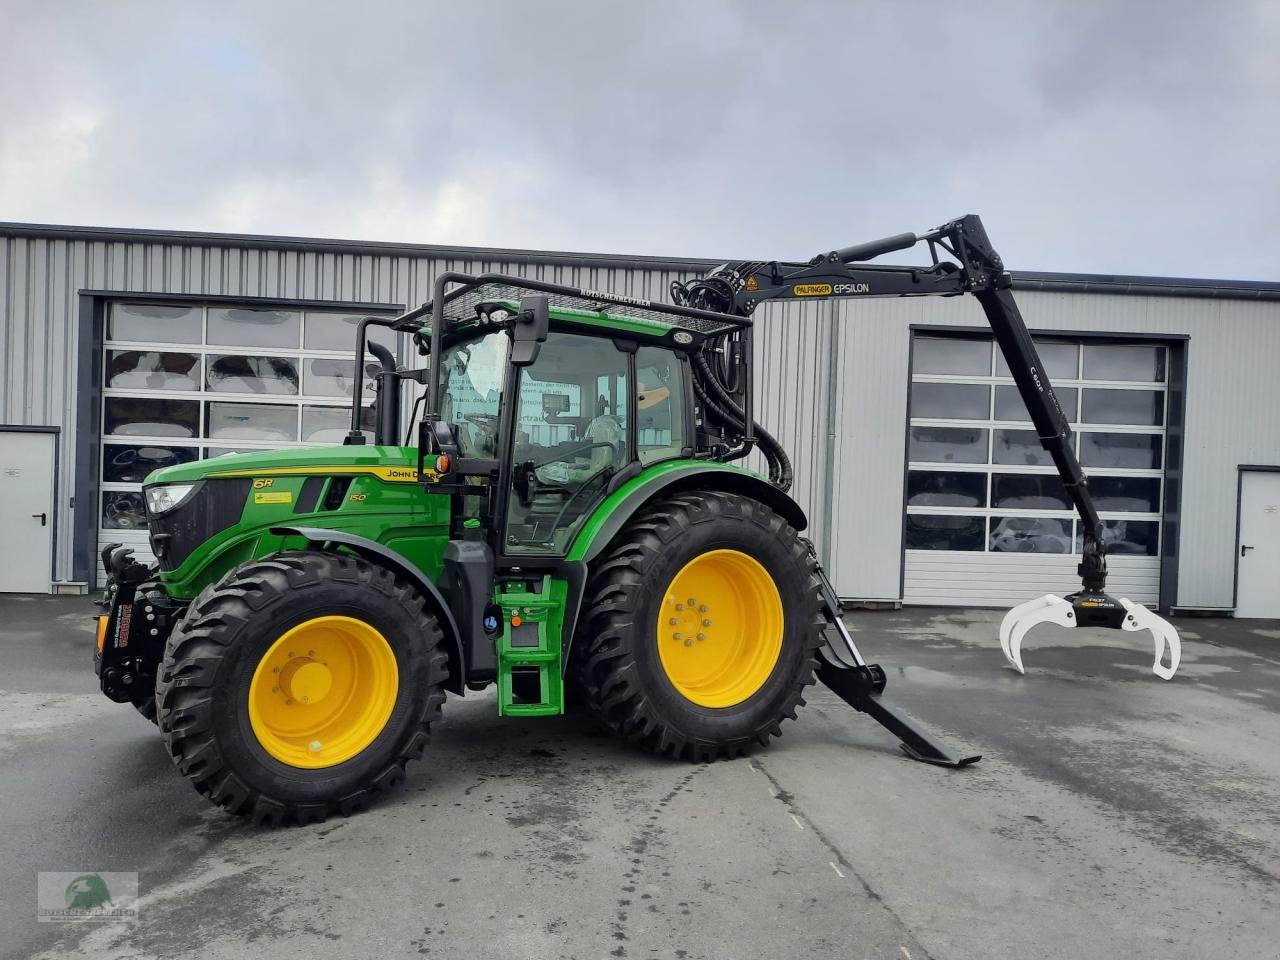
[975,268]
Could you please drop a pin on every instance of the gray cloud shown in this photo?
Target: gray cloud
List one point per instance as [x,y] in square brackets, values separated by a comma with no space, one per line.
[1137,137]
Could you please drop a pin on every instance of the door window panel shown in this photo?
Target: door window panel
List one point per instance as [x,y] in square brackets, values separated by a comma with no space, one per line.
[571,438]
[934,488]
[1029,491]
[251,421]
[1133,537]
[1019,447]
[944,532]
[325,424]
[150,417]
[1136,450]
[1109,361]
[1126,494]
[660,406]
[337,331]
[332,378]
[131,463]
[154,323]
[1137,407]
[1030,535]
[951,355]
[950,401]
[1009,405]
[1058,359]
[948,445]
[123,510]
[229,373]
[246,327]
[152,370]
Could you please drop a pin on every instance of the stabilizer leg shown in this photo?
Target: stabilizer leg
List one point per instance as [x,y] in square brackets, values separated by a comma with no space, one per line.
[860,687]
[842,668]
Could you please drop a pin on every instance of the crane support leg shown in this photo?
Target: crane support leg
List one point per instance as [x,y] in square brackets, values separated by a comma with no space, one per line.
[842,668]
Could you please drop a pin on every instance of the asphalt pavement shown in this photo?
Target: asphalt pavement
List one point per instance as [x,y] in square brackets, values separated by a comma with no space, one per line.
[1113,815]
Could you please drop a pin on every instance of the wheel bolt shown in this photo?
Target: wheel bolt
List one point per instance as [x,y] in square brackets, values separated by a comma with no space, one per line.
[679,606]
[693,602]
[702,609]
[275,689]
[702,636]
[688,643]
[706,623]
[678,636]
[675,621]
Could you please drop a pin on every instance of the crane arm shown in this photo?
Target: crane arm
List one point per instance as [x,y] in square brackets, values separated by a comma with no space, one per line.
[962,260]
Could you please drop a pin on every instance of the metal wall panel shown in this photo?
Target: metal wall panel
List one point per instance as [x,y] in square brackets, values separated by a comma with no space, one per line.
[1232,391]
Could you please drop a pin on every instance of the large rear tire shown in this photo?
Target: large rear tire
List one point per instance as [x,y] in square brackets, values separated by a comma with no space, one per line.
[702,626]
[300,685]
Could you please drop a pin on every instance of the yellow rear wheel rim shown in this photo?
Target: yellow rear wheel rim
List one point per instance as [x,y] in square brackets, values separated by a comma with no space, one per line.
[323,692]
[719,628]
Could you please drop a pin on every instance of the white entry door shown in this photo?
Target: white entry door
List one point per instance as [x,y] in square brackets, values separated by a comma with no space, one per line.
[26,511]
[1258,552]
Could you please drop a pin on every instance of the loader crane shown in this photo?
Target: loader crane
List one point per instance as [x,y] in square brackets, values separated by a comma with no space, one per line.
[974,268]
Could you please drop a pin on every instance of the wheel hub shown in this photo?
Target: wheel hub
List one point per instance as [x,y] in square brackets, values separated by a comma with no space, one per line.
[323,692]
[720,628]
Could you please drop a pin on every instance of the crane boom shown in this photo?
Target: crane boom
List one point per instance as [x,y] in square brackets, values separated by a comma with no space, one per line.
[970,266]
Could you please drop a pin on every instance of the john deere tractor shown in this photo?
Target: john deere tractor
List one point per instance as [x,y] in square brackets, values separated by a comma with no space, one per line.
[562,519]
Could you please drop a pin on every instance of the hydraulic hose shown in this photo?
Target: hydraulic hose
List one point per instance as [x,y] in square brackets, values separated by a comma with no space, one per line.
[780,471]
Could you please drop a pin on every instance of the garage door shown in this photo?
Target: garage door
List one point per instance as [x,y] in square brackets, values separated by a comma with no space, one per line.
[185,382]
[988,522]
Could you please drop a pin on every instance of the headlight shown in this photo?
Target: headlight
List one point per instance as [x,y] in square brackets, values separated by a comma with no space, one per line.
[169,496]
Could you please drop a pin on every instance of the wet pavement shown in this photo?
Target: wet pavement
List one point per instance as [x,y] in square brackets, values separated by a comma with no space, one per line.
[1113,815]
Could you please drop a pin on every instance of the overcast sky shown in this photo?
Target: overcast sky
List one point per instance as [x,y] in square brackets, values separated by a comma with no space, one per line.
[1121,137]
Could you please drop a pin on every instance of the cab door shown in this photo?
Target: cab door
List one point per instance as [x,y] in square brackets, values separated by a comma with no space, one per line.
[571,435]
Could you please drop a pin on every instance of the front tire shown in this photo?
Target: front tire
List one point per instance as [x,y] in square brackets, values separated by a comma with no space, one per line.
[300,685]
[702,627]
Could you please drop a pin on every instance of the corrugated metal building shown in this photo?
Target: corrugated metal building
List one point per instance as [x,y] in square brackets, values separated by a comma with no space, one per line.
[124,349]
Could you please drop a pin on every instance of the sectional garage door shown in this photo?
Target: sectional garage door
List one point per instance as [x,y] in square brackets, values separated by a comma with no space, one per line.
[987,520]
[183,382]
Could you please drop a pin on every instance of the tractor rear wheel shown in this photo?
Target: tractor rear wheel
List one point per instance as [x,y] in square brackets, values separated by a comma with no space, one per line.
[702,627]
[300,685]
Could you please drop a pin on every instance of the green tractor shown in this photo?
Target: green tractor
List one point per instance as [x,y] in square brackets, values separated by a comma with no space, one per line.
[562,519]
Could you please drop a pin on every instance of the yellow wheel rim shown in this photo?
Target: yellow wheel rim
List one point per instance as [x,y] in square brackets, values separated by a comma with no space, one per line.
[720,628]
[323,692]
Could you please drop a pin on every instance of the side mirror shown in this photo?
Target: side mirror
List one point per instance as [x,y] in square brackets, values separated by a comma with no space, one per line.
[530,330]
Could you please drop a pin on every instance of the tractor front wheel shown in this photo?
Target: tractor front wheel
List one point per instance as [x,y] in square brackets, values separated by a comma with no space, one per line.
[300,685]
[702,628]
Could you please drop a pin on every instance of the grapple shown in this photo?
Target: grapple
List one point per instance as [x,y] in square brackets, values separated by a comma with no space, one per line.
[1090,609]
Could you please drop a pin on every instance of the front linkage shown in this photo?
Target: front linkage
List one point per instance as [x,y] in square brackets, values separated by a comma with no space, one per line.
[131,635]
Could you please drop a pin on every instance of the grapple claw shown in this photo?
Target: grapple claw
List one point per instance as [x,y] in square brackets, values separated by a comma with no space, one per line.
[1016,623]
[1138,617]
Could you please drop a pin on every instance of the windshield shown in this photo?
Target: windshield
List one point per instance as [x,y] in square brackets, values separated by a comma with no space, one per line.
[471,380]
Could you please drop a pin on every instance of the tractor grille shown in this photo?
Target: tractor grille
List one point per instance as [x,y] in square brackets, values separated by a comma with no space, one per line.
[217,505]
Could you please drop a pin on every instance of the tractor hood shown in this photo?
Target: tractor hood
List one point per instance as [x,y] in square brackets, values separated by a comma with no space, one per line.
[389,463]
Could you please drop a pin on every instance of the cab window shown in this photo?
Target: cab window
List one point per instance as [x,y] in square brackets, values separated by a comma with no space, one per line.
[660,423]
